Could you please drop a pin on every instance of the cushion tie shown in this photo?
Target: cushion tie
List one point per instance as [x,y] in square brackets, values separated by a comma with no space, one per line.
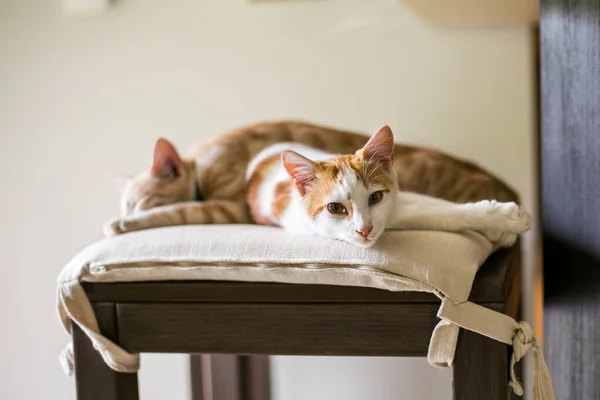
[523,341]
[504,329]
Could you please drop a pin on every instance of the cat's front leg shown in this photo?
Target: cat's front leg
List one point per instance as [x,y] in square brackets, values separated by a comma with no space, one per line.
[501,223]
[189,213]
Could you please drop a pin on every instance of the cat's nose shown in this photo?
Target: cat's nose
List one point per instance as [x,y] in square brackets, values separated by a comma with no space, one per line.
[365,230]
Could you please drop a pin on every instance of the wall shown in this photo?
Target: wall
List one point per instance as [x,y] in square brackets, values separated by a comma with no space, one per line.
[82,98]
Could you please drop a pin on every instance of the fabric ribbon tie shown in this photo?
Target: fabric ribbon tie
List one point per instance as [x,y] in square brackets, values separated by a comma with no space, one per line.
[523,341]
[497,326]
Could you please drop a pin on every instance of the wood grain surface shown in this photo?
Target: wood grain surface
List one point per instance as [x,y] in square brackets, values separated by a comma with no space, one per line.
[570,168]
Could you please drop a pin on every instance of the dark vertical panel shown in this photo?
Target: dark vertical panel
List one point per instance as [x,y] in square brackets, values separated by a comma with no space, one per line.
[570,170]
[570,33]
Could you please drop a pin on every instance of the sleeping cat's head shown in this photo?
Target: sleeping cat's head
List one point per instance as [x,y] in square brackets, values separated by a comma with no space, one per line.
[169,180]
[350,197]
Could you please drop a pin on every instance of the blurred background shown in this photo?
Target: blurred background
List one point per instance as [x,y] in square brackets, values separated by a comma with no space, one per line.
[86,87]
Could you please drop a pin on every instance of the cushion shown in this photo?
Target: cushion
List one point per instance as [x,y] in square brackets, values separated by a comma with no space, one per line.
[439,262]
[266,254]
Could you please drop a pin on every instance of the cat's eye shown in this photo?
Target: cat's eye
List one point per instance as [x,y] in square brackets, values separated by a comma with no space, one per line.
[375,197]
[336,208]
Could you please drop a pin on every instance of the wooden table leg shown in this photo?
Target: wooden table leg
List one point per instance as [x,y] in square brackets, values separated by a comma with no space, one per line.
[480,368]
[230,377]
[199,364]
[256,377]
[94,379]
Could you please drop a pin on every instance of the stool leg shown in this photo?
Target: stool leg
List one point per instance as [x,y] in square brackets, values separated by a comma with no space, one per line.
[94,379]
[200,377]
[230,377]
[480,368]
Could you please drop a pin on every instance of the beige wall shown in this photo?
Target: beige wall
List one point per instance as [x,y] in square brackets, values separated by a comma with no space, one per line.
[82,98]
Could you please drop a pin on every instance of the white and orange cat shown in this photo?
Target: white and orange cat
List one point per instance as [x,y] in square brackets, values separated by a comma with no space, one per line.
[208,184]
[355,197]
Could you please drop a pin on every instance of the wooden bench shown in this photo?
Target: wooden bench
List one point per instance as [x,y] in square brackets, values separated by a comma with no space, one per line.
[269,318]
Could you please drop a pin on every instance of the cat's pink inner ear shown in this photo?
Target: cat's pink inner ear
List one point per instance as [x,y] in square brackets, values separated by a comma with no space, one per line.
[380,147]
[300,169]
[166,163]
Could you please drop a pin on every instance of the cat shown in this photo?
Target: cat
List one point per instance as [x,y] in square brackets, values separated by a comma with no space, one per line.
[355,198]
[207,185]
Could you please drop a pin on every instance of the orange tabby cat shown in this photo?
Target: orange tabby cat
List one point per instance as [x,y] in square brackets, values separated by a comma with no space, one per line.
[207,185]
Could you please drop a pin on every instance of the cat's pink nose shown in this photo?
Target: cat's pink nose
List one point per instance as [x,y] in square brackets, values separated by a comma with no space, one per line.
[365,230]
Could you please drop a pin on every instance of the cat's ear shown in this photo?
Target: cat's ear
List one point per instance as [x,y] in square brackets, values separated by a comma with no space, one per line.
[300,169]
[166,163]
[380,148]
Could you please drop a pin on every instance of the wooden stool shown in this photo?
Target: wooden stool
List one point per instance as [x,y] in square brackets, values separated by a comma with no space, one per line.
[199,317]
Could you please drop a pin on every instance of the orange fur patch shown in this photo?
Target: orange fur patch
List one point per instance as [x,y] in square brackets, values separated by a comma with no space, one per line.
[224,214]
[253,187]
[281,199]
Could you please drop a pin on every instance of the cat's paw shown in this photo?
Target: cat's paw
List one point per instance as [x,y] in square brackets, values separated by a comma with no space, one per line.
[507,218]
[126,224]
[503,222]
[501,239]
[114,227]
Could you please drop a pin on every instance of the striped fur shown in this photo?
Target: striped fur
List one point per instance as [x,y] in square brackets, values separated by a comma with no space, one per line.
[218,167]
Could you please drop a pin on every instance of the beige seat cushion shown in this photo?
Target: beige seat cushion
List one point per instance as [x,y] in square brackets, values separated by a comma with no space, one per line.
[400,261]
[438,262]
